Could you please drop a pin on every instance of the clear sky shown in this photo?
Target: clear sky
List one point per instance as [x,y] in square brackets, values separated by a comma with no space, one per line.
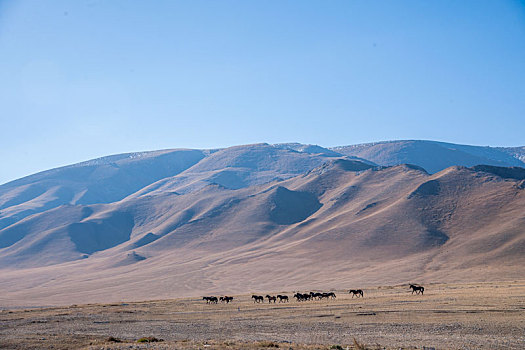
[82,79]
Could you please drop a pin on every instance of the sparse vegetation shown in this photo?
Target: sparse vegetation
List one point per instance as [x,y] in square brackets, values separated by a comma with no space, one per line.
[268,344]
[149,340]
[359,346]
[113,340]
[374,321]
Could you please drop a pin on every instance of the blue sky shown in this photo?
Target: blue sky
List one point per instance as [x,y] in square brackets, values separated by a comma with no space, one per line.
[83,79]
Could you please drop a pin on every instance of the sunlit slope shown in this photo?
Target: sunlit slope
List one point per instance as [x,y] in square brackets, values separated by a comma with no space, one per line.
[102,180]
[342,223]
[434,156]
[112,178]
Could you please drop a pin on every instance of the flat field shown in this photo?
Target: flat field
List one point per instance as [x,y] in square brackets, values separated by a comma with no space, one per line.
[448,316]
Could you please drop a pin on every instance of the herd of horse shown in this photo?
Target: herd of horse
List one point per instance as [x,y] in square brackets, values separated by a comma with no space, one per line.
[358,293]
[314,296]
[271,298]
[215,300]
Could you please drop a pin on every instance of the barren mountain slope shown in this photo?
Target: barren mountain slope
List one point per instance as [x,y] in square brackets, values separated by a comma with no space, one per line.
[434,156]
[113,178]
[242,166]
[340,224]
[102,180]
[516,152]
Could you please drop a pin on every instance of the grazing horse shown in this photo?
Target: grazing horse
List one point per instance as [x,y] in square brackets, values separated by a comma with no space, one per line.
[257,298]
[271,298]
[356,292]
[283,297]
[417,289]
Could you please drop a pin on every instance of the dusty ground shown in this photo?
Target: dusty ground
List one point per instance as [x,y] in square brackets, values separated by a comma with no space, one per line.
[468,316]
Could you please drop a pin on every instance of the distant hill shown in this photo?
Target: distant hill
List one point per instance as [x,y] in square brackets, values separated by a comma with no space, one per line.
[340,223]
[102,180]
[113,178]
[434,156]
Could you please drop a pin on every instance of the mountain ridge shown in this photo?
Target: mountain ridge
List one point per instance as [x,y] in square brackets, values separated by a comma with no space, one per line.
[434,155]
[317,219]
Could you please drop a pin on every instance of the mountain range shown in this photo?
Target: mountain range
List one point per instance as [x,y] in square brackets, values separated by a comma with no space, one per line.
[262,217]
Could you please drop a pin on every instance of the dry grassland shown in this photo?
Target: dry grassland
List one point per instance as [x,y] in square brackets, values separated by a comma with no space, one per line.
[467,316]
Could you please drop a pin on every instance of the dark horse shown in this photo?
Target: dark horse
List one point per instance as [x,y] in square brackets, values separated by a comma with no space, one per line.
[302,297]
[210,300]
[226,299]
[329,295]
[315,295]
[417,289]
[257,298]
[271,298]
[356,292]
[283,298]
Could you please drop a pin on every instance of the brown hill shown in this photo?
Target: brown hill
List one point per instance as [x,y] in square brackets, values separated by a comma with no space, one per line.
[342,224]
[112,178]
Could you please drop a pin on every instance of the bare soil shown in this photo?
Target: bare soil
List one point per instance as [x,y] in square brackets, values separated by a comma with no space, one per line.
[448,316]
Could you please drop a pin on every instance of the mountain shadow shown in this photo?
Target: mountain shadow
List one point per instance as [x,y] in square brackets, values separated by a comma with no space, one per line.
[100,234]
[290,207]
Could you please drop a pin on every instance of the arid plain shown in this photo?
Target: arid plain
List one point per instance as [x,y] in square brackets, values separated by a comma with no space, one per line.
[448,316]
